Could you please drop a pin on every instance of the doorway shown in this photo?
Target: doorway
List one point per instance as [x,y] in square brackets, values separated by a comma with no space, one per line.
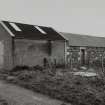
[83,56]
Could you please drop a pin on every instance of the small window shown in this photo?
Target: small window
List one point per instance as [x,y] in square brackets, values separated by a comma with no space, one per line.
[15,26]
[41,30]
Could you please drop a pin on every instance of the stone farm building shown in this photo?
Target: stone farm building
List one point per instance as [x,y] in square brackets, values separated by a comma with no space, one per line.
[84,50]
[25,44]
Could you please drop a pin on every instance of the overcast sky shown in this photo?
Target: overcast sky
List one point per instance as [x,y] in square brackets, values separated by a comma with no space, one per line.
[74,16]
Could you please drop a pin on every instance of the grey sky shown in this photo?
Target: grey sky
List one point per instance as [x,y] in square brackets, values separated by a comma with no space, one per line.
[74,16]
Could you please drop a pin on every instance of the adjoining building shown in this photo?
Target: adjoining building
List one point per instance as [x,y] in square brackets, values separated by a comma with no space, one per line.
[83,49]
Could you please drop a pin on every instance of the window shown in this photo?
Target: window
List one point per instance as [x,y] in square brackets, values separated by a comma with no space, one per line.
[15,26]
[41,30]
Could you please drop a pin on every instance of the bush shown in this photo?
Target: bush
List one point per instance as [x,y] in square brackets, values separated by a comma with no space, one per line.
[20,68]
[37,67]
[60,66]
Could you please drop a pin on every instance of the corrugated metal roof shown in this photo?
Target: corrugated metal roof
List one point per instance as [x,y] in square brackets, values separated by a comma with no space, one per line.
[84,40]
[27,31]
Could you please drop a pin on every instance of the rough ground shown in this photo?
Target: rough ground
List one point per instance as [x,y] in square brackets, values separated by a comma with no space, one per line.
[21,96]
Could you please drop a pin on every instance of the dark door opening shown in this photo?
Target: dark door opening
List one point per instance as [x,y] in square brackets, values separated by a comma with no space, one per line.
[82,56]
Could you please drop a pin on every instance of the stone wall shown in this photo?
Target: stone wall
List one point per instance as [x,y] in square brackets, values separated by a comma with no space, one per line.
[33,52]
[58,52]
[93,56]
[73,56]
[30,52]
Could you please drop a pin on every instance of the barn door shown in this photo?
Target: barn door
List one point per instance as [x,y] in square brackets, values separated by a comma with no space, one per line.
[1,54]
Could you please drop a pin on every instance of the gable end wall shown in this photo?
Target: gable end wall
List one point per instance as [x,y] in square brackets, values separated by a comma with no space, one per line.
[6,39]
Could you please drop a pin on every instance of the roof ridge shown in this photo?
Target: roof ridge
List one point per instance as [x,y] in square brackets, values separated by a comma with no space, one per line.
[76,34]
[25,23]
[83,40]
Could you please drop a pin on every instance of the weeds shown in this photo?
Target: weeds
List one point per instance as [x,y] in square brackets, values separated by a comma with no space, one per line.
[67,87]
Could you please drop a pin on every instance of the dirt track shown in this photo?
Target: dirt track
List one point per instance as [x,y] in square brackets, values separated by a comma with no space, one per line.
[20,96]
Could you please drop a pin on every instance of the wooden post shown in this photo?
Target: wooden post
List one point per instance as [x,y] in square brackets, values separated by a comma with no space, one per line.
[102,61]
[71,66]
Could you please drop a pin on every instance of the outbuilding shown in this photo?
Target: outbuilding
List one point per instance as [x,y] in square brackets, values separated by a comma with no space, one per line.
[25,44]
